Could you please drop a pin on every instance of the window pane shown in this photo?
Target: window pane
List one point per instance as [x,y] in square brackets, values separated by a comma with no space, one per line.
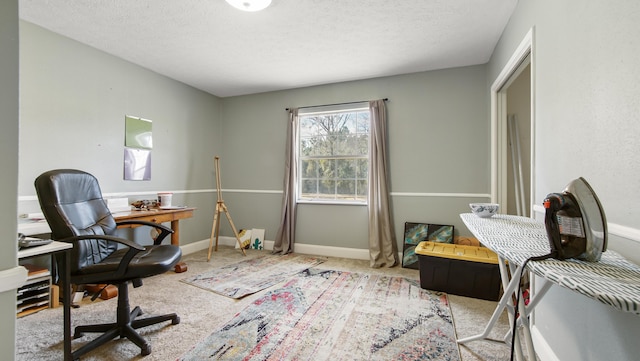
[363,122]
[346,168]
[346,187]
[342,146]
[307,127]
[321,146]
[327,188]
[350,124]
[309,188]
[308,169]
[307,146]
[326,168]
[362,144]
[362,187]
[330,146]
[323,125]
[363,168]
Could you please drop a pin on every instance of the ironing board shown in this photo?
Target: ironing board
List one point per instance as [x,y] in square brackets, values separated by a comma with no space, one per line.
[613,280]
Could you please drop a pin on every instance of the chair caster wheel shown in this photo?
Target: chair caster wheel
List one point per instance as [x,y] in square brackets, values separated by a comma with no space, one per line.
[146,350]
[77,335]
[180,267]
[175,321]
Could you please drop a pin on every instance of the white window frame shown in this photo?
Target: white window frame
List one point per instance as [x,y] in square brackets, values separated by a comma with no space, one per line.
[314,111]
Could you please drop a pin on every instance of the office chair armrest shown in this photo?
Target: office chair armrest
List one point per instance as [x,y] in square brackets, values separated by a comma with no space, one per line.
[164,230]
[126,259]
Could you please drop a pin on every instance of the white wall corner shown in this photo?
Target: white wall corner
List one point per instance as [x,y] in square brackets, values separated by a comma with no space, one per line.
[12,278]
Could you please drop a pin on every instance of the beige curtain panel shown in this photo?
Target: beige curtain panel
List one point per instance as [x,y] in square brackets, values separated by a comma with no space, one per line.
[285,237]
[382,244]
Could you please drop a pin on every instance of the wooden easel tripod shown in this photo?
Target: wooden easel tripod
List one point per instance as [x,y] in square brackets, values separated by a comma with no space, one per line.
[221,207]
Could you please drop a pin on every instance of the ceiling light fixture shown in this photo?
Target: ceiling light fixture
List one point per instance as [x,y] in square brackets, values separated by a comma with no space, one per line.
[249,5]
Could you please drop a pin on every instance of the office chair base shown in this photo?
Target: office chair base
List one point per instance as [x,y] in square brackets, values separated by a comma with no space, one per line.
[124,327]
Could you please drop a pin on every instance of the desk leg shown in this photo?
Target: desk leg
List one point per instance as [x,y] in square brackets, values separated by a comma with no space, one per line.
[175,240]
[175,237]
[66,298]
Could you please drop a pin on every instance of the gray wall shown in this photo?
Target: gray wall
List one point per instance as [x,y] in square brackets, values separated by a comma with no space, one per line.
[587,101]
[9,106]
[438,145]
[73,103]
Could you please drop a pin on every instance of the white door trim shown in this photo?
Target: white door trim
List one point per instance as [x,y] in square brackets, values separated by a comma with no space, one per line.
[522,56]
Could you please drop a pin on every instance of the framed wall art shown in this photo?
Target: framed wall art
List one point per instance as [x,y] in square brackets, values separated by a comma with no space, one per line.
[138,142]
[414,233]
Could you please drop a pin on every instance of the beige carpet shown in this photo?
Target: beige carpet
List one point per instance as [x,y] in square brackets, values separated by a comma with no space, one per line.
[40,335]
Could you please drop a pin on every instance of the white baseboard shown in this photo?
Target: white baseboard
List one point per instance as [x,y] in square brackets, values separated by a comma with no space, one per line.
[222,241]
[327,251]
[310,249]
[195,247]
[543,350]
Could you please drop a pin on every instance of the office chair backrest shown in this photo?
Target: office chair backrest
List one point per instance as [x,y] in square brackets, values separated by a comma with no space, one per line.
[72,203]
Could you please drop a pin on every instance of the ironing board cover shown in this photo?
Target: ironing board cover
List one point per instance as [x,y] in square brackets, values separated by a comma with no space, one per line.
[613,280]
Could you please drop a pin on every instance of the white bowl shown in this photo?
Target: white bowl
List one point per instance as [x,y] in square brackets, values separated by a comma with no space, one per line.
[484,210]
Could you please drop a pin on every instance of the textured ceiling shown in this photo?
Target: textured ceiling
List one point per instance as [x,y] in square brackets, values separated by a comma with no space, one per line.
[293,43]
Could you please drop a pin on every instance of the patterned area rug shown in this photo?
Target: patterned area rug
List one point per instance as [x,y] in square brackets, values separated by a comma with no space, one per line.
[331,315]
[253,275]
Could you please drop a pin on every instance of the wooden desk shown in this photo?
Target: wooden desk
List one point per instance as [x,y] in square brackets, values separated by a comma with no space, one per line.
[173,215]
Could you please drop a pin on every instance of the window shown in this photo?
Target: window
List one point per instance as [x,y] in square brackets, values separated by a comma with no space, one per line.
[333,149]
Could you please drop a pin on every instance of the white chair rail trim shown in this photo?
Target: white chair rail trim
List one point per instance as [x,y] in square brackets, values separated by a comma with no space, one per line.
[616,229]
[269,191]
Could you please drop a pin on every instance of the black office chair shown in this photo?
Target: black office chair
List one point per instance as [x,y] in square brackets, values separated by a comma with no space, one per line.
[73,206]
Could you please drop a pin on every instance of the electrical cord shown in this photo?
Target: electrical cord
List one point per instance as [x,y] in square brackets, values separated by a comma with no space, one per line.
[515,309]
